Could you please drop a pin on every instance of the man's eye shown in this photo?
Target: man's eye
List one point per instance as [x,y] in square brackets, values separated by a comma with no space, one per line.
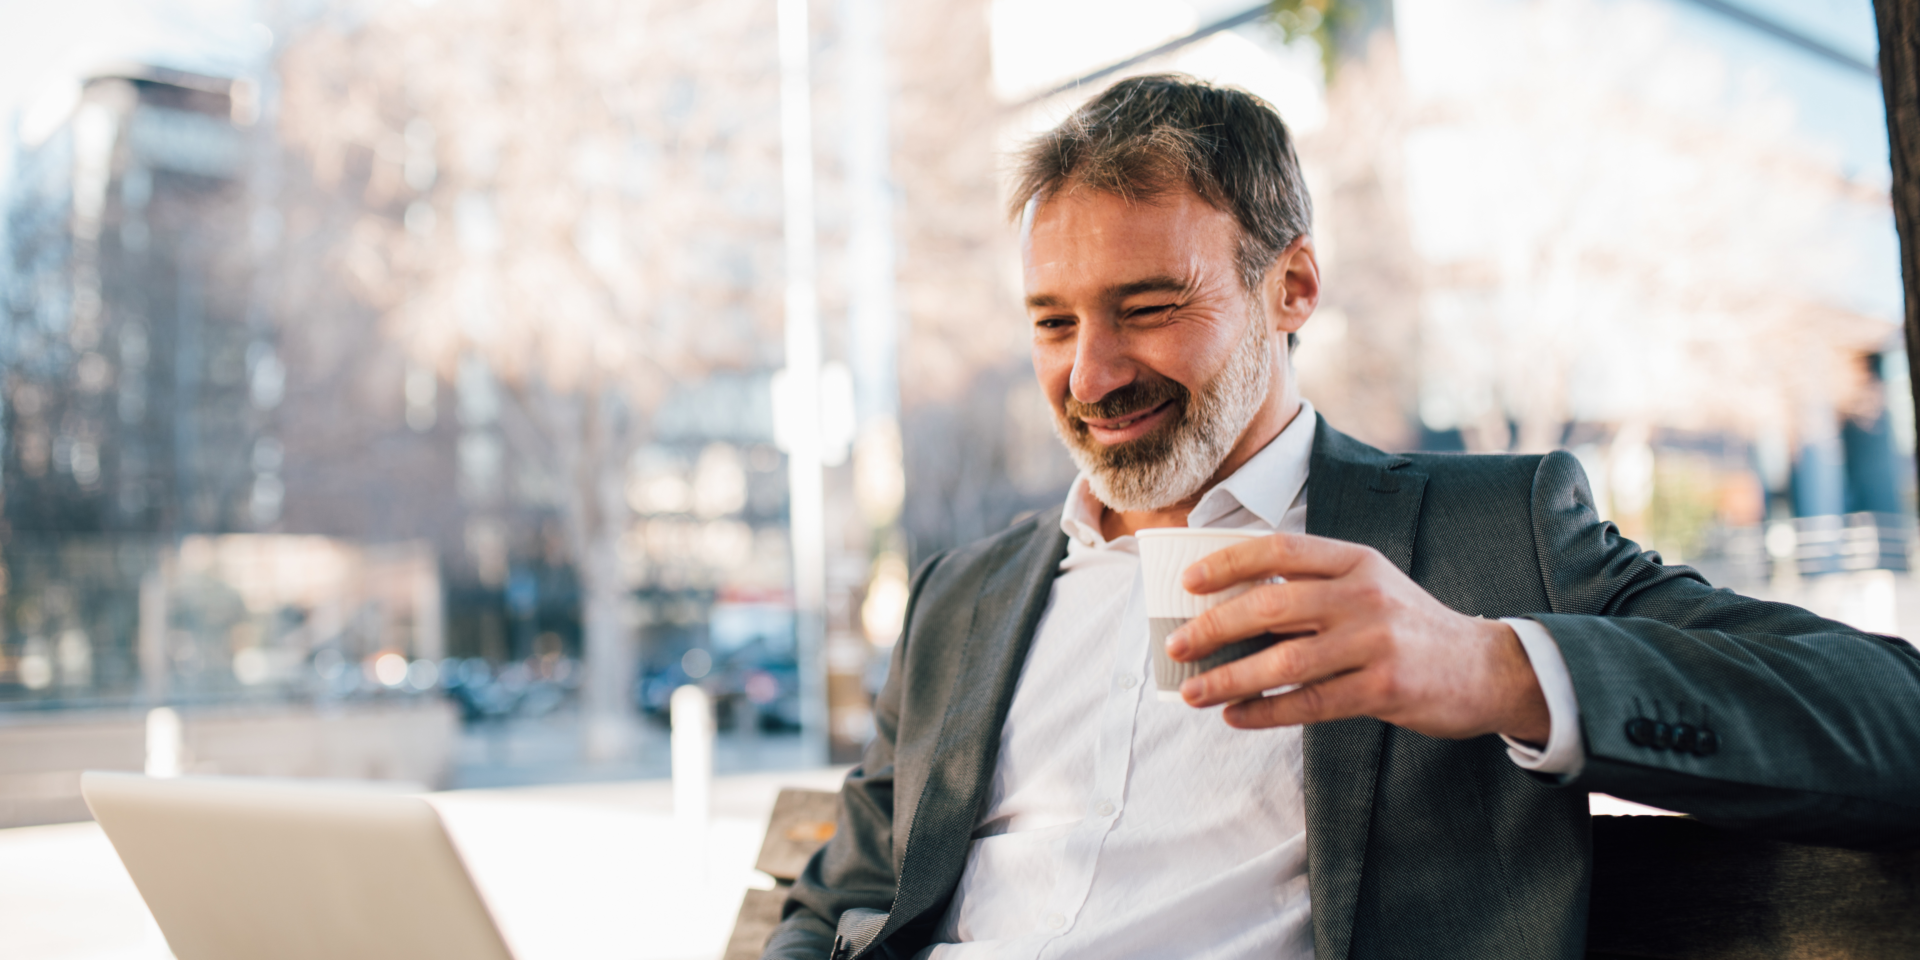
[1053,323]
[1150,310]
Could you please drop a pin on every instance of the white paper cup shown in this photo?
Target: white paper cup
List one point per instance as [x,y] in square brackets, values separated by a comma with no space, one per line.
[1165,554]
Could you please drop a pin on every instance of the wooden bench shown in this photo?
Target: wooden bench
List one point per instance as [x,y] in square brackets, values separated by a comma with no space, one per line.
[802,822]
[1664,888]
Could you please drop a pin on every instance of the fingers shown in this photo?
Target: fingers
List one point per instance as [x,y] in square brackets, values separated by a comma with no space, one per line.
[1302,660]
[1302,606]
[1337,698]
[1278,555]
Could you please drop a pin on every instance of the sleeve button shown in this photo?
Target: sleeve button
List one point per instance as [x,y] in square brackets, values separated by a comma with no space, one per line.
[1640,731]
[1706,743]
[1662,735]
[1684,737]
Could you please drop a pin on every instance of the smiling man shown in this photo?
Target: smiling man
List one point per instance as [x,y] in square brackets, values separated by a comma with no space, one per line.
[1407,777]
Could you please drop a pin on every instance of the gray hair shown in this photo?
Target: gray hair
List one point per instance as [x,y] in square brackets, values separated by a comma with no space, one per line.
[1147,135]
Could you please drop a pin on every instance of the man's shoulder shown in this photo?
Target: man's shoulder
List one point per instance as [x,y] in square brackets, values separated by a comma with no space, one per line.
[1503,471]
[1333,445]
[1475,488]
[1475,485]
[1493,467]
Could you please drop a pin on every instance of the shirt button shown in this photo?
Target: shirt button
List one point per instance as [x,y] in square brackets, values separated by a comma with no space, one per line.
[1056,921]
[1127,682]
[1105,808]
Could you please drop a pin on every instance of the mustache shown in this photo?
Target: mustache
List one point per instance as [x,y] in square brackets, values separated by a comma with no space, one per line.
[1135,397]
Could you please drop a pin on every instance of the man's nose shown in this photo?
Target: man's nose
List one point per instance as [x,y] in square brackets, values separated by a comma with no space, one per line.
[1100,363]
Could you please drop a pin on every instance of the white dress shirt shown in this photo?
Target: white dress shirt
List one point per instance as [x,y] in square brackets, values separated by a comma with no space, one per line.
[1118,825]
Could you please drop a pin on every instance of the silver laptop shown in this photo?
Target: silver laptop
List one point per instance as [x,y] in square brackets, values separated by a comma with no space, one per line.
[239,869]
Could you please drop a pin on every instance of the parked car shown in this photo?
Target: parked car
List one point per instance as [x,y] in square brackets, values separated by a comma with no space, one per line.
[745,662]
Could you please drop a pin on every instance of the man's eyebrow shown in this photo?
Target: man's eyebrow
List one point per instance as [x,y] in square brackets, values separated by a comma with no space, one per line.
[1159,284]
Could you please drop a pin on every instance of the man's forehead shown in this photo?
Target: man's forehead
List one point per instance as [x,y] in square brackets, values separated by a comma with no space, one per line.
[1088,211]
[1121,247]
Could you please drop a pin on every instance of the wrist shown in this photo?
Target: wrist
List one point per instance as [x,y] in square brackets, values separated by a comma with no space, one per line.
[1523,713]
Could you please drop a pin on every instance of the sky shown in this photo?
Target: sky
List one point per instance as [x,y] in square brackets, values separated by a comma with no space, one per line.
[1039,43]
[1839,106]
[46,47]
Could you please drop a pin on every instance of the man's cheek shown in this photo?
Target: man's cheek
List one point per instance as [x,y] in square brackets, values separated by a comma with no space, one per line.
[1054,379]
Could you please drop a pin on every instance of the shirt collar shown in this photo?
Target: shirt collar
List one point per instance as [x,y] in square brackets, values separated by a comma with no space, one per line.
[1265,486]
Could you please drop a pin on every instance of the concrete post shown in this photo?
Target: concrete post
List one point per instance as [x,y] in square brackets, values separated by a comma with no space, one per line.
[151,638]
[692,715]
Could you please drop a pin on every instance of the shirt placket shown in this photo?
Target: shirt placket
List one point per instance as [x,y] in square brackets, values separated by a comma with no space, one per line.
[1113,753]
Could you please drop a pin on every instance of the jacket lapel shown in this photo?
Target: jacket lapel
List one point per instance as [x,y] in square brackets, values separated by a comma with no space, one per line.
[1358,494]
[1012,597]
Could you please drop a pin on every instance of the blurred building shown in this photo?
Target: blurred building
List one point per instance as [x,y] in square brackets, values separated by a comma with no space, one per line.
[143,470]
[138,385]
[131,410]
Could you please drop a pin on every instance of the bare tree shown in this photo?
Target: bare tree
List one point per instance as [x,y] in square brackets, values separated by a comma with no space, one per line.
[569,210]
[1601,246]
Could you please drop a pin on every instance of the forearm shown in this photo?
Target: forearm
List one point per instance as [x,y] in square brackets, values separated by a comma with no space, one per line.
[1798,728]
[803,935]
[1815,726]
[1559,751]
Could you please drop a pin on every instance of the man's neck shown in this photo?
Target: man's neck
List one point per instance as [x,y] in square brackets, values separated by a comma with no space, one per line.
[1273,417]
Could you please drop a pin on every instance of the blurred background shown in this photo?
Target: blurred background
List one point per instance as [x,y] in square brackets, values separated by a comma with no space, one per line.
[425,389]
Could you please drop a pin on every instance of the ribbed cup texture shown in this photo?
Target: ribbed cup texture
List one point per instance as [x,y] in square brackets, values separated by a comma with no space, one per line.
[1165,554]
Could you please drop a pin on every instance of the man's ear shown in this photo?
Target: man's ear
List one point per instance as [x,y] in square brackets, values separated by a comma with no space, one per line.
[1293,286]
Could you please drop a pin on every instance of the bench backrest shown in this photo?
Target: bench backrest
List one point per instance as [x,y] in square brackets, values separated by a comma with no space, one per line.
[802,822]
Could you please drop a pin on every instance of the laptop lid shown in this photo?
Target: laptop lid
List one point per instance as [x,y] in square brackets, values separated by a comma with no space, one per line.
[237,869]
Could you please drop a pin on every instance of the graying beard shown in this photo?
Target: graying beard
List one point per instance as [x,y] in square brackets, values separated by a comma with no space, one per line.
[1215,417]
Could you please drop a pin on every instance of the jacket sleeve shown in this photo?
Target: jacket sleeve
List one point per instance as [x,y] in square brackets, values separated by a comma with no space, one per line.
[855,869]
[1798,727]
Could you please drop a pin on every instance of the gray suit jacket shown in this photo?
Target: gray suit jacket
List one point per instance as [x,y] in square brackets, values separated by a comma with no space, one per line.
[1417,847]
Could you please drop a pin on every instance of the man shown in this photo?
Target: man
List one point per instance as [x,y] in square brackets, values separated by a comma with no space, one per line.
[1407,780]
